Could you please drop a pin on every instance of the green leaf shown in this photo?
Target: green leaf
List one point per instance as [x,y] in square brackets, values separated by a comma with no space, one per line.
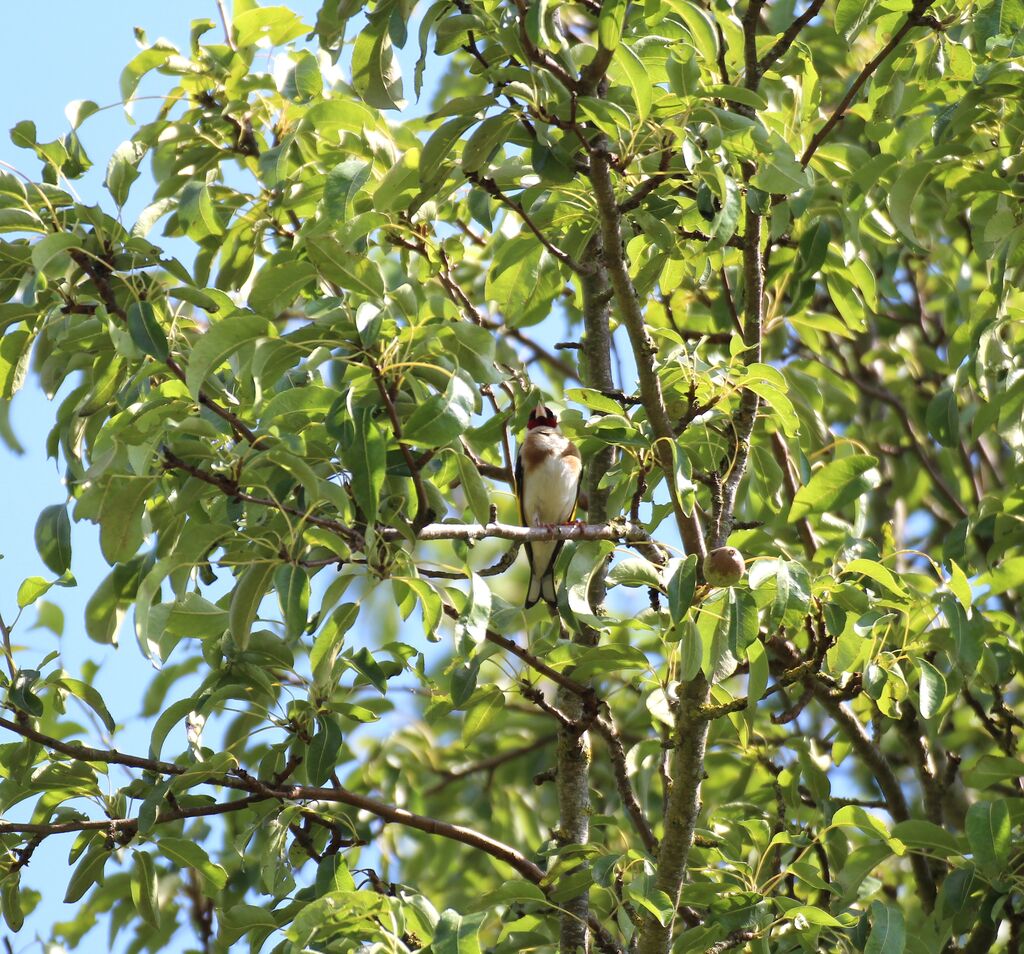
[610,22]
[757,667]
[197,213]
[52,251]
[888,935]
[31,589]
[960,585]
[170,718]
[998,18]
[742,620]
[442,417]
[612,657]
[851,15]
[91,697]
[292,584]
[813,915]
[363,662]
[337,264]
[10,901]
[474,488]
[332,874]
[145,888]
[376,75]
[123,170]
[681,586]
[481,714]
[366,461]
[990,770]
[278,285]
[536,26]
[456,934]
[471,626]
[926,836]
[792,587]
[188,854]
[342,185]
[702,28]
[853,816]
[192,615]
[328,643]
[88,871]
[512,892]
[305,81]
[15,349]
[932,689]
[943,418]
[878,573]
[902,194]
[53,538]
[145,330]
[640,86]
[782,174]
[222,340]
[835,485]
[989,833]
[635,571]
[144,61]
[487,138]
[737,94]
[723,225]
[322,753]
[121,510]
[250,588]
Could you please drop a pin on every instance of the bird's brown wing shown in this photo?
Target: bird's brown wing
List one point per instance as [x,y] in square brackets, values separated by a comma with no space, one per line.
[573,453]
[518,478]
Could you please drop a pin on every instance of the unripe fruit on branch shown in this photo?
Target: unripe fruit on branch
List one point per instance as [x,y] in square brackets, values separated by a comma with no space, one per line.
[724,566]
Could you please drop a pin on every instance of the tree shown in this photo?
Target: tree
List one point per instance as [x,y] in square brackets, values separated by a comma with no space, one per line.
[784,244]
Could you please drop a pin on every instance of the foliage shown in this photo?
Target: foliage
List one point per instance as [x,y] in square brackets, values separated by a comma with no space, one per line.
[803,227]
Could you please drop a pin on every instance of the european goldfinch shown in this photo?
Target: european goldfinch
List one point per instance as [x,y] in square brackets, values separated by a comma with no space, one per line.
[548,470]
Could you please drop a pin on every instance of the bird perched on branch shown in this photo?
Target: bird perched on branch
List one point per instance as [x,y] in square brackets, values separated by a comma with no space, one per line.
[548,470]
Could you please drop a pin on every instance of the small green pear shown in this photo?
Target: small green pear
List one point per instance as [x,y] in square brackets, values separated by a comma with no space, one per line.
[724,566]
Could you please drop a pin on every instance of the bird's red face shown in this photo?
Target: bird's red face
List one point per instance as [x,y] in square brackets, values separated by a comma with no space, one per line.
[541,416]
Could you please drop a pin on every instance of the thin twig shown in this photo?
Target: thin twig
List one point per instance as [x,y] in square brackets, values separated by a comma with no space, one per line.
[490,763]
[617,755]
[491,188]
[264,789]
[424,512]
[229,36]
[782,45]
[914,18]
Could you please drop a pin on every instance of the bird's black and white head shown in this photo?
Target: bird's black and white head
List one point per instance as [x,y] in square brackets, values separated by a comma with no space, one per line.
[542,416]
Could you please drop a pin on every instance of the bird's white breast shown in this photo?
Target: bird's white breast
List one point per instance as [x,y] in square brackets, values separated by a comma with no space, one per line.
[549,487]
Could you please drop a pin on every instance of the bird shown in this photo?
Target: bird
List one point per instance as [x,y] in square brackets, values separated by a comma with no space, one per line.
[548,469]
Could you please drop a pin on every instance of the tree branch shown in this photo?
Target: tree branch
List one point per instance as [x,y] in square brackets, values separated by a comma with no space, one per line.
[914,18]
[491,188]
[781,453]
[490,763]
[617,755]
[745,417]
[424,512]
[126,826]
[782,45]
[98,272]
[687,771]
[264,789]
[534,662]
[644,349]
